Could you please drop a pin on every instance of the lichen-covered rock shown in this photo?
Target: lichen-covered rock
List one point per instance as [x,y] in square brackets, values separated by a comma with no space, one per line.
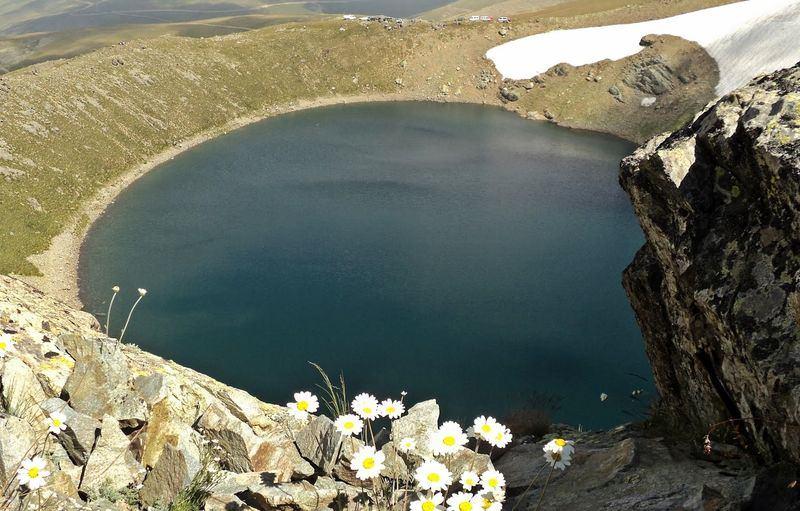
[79,437]
[715,288]
[417,423]
[101,381]
[111,463]
[21,391]
[319,443]
[175,469]
[16,438]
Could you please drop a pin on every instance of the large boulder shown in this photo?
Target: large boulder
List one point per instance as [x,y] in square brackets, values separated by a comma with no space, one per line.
[715,287]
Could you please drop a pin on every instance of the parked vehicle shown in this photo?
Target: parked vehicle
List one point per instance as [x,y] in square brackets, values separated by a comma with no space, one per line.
[474,18]
[349,17]
[503,19]
[486,18]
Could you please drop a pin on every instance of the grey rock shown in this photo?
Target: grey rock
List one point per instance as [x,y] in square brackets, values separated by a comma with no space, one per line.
[100,382]
[650,75]
[417,423]
[509,94]
[175,469]
[111,463]
[320,443]
[715,287]
[302,495]
[22,391]
[235,437]
[79,437]
[16,439]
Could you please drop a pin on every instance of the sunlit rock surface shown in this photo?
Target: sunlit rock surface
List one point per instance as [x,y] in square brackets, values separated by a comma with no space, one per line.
[715,286]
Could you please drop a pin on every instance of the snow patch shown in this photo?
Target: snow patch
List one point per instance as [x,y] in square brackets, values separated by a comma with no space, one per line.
[746,39]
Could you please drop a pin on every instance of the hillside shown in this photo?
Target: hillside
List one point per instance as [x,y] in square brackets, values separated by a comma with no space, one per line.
[69,129]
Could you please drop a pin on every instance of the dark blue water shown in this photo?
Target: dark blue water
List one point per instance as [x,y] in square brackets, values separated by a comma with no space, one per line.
[452,251]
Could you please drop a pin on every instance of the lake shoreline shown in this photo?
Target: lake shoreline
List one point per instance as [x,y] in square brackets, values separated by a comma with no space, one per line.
[59,263]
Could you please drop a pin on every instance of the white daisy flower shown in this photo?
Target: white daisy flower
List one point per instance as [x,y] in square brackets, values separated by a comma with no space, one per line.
[432,475]
[349,424]
[32,473]
[492,481]
[303,404]
[469,479]
[501,436]
[603,396]
[425,503]
[367,463]
[391,408]
[558,453]
[142,291]
[57,422]
[407,444]
[489,503]
[6,344]
[366,406]
[447,439]
[484,426]
[464,501]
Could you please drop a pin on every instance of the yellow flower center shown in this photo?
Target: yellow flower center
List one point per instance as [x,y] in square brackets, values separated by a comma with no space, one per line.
[349,425]
[492,482]
[465,506]
[449,440]
[428,506]
[56,422]
[389,410]
[486,428]
[367,410]
[3,345]
[499,437]
[469,482]
[434,477]
[33,472]
[369,463]
[561,442]
[302,406]
[487,503]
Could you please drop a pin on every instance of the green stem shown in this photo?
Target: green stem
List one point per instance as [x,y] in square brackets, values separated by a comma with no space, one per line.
[108,314]
[129,319]
[522,497]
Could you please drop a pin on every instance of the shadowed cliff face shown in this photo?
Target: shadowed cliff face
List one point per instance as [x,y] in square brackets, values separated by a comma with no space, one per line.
[715,286]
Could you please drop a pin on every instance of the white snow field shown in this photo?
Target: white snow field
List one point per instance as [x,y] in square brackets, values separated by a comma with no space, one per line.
[745,38]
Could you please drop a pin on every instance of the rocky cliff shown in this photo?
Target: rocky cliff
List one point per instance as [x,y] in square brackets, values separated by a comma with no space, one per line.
[715,286]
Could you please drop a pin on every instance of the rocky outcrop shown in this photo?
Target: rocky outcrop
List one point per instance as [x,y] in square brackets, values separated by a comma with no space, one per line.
[715,288]
[624,469]
[137,425]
